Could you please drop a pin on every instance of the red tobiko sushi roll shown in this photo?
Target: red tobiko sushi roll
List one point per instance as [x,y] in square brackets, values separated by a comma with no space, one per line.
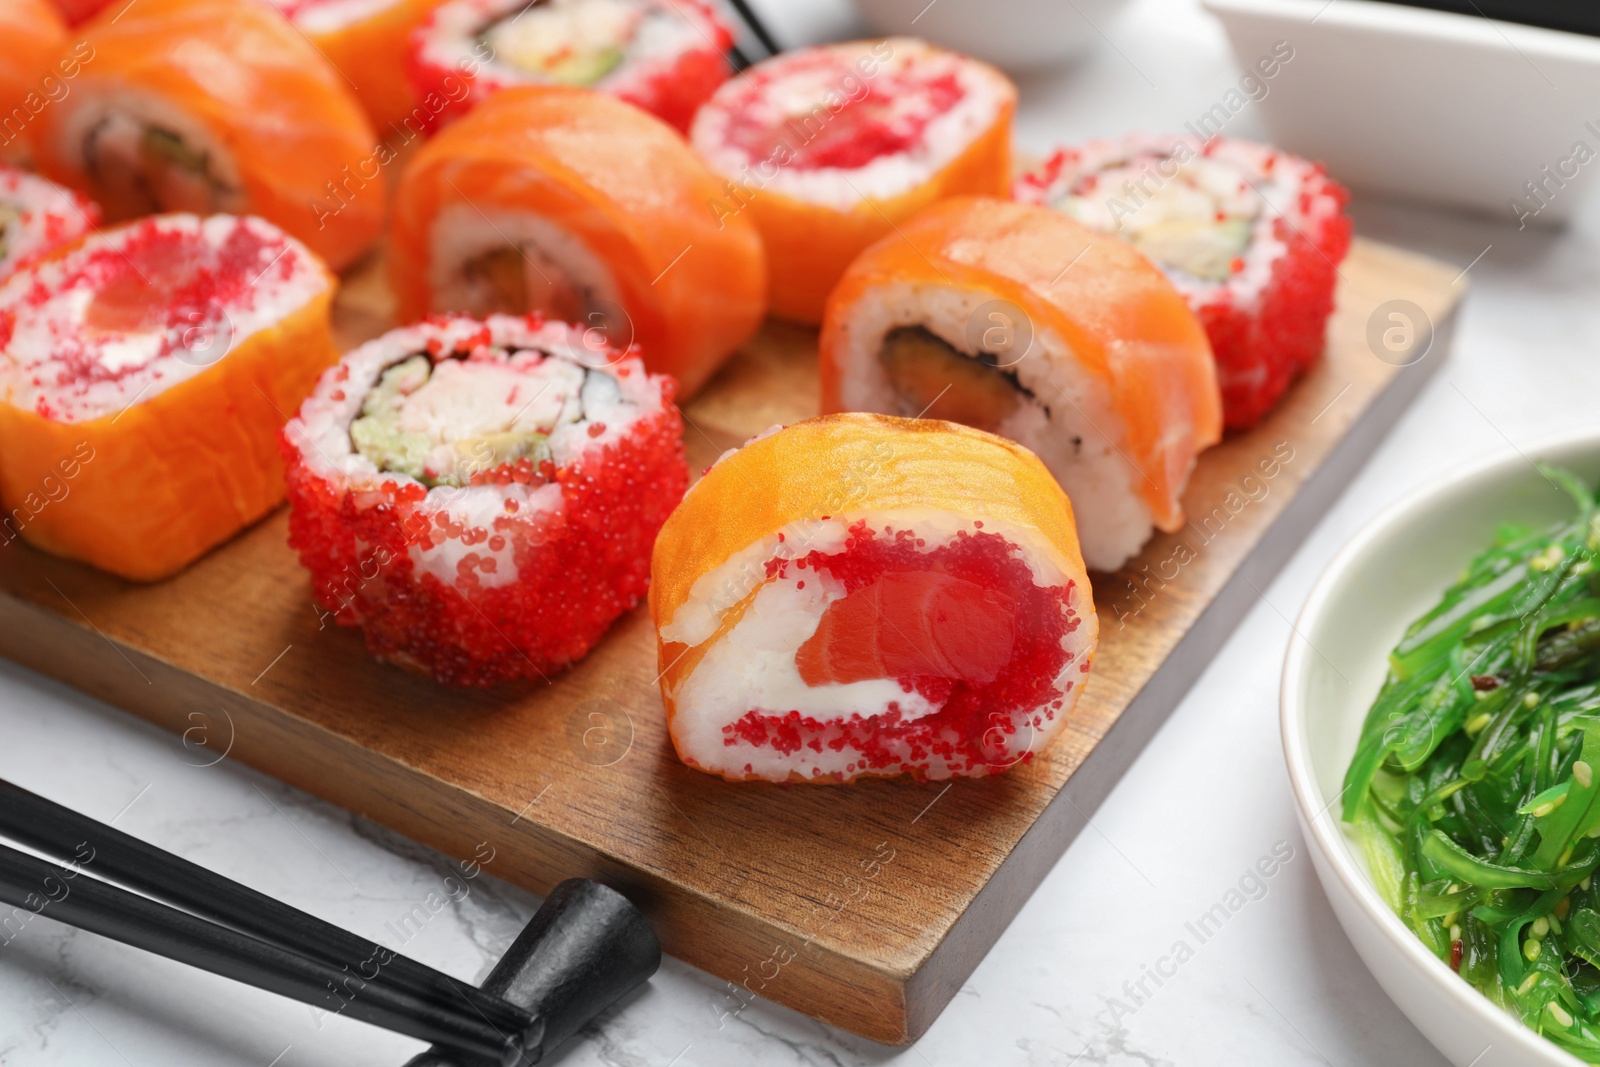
[1252,237]
[481,497]
[866,596]
[37,217]
[665,56]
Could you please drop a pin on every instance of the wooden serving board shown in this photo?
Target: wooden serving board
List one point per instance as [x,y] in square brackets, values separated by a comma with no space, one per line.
[866,906]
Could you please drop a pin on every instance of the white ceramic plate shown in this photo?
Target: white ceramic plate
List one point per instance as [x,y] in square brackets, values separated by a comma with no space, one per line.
[1390,574]
[1428,104]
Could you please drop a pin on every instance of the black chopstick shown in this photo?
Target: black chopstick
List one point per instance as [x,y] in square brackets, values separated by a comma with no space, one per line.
[62,834]
[757,27]
[77,898]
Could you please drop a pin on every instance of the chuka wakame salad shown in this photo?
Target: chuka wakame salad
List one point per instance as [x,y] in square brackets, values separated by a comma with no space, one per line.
[1475,789]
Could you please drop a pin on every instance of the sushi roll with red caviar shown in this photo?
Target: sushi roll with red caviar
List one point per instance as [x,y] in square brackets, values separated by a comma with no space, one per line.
[481,497]
[1017,320]
[577,206]
[216,106]
[900,597]
[665,56]
[368,42]
[1250,235]
[827,149]
[144,375]
[37,217]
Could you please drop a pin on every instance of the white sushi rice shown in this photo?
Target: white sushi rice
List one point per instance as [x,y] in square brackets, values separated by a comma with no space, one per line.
[807,89]
[55,364]
[558,381]
[102,134]
[464,232]
[1145,188]
[1069,422]
[652,34]
[752,666]
[35,215]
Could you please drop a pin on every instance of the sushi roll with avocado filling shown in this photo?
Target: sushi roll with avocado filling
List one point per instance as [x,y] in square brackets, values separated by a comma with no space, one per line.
[480,497]
[665,56]
[1252,237]
[1013,319]
[208,106]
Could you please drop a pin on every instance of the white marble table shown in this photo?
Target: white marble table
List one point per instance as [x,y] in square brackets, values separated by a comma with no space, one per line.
[1277,985]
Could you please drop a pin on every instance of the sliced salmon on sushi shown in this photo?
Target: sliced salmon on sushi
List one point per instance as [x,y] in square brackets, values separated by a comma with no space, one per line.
[210,106]
[480,498]
[144,375]
[1252,237]
[665,56]
[37,217]
[368,42]
[899,597]
[1014,319]
[828,148]
[577,206]
[34,33]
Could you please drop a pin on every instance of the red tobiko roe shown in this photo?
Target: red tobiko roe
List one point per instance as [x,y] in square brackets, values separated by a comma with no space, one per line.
[858,130]
[587,567]
[975,728]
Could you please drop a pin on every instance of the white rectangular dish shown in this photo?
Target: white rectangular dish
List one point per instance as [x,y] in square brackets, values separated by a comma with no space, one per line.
[1459,110]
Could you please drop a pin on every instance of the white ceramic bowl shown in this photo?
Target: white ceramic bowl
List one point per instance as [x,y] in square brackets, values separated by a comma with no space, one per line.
[1390,574]
[1428,104]
[1015,34]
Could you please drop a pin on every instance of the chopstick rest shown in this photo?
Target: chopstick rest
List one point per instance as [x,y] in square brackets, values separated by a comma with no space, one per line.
[583,949]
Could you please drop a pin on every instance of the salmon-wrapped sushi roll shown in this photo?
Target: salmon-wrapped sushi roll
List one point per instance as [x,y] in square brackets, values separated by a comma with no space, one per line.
[217,106]
[828,148]
[144,376]
[666,56]
[480,497]
[1017,320]
[369,42]
[1250,235]
[865,595]
[34,33]
[37,217]
[585,209]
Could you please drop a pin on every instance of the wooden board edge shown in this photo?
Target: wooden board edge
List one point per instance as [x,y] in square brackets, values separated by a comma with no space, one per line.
[729,943]
[992,910]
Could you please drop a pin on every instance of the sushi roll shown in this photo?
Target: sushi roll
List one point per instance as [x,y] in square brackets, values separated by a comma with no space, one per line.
[368,43]
[34,33]
[480,497]
[666,56]
[901,597]
[144,376]
[216,106]
[1250,235]
[578,206]
[829,148]
[37,217]
[1017,320]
